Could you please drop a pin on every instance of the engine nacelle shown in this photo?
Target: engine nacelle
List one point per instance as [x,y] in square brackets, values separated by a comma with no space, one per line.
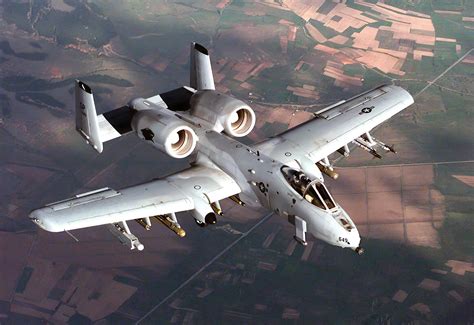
[165,132]
[203,213]
[225,113]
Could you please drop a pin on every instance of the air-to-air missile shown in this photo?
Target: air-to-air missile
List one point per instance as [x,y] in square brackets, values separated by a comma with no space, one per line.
[237,199]
[367,148]
[144,222]
[384,146]
[216,207]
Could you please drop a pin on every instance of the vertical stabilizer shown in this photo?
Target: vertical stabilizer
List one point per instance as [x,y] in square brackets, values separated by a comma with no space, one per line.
[86,116]
[201,71]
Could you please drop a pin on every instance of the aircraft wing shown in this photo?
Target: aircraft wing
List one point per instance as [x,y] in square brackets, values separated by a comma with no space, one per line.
[189,189]
[337,125]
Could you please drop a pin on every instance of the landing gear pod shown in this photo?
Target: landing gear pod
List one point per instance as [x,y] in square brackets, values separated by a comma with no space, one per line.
[203,213]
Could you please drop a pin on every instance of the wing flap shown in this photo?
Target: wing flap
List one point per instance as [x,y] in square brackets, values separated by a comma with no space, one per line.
[211,184]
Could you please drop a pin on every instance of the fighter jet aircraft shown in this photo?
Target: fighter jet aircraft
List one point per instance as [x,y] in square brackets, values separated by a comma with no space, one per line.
[283,173]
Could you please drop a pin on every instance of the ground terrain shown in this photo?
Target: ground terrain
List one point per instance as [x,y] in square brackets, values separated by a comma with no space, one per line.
[287,59]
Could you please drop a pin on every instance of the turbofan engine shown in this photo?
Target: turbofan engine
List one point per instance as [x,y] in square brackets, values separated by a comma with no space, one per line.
[227,114]
[165,132]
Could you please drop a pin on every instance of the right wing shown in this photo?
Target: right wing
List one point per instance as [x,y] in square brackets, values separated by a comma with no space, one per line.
[191,189]
[337,125]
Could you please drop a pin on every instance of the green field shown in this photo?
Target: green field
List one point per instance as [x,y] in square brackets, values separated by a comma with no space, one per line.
[37,74]
[84,22]
[318,290]
[5,106]
[30,83]
[456,234]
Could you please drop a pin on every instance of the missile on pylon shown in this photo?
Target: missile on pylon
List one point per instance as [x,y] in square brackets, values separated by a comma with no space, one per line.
[344,151]
[125,237]
[142,222]
[370,150]
[237,199]
[384,146]
[216,208]
[327,170]
[163,219]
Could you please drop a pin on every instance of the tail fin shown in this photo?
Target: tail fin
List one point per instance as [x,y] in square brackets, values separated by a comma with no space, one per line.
[86,116]
[201,71]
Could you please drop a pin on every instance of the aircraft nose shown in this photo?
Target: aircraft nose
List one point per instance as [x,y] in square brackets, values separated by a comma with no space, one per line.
[355,238]
[355,241]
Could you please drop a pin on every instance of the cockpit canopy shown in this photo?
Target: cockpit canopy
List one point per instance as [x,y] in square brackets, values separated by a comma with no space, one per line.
[312,191]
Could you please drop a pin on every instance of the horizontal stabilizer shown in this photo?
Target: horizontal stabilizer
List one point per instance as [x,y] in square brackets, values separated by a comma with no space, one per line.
[175,100]
[115,123]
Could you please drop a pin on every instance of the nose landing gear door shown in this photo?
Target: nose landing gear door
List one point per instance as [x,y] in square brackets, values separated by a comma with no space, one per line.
[300,228]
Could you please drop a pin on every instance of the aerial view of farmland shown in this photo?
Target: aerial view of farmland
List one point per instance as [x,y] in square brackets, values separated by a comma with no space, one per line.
[287,59]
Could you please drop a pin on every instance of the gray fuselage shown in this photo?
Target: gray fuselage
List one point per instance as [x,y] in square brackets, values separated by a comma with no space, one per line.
[262,182]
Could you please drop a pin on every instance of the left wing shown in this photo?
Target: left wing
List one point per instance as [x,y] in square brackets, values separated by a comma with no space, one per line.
[195,189]
[337,125]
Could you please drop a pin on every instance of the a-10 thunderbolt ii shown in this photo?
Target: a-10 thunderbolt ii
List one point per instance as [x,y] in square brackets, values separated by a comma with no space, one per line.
[283,173]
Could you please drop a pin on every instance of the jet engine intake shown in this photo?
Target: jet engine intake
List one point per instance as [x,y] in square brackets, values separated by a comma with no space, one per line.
[225,113]
[167,133]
